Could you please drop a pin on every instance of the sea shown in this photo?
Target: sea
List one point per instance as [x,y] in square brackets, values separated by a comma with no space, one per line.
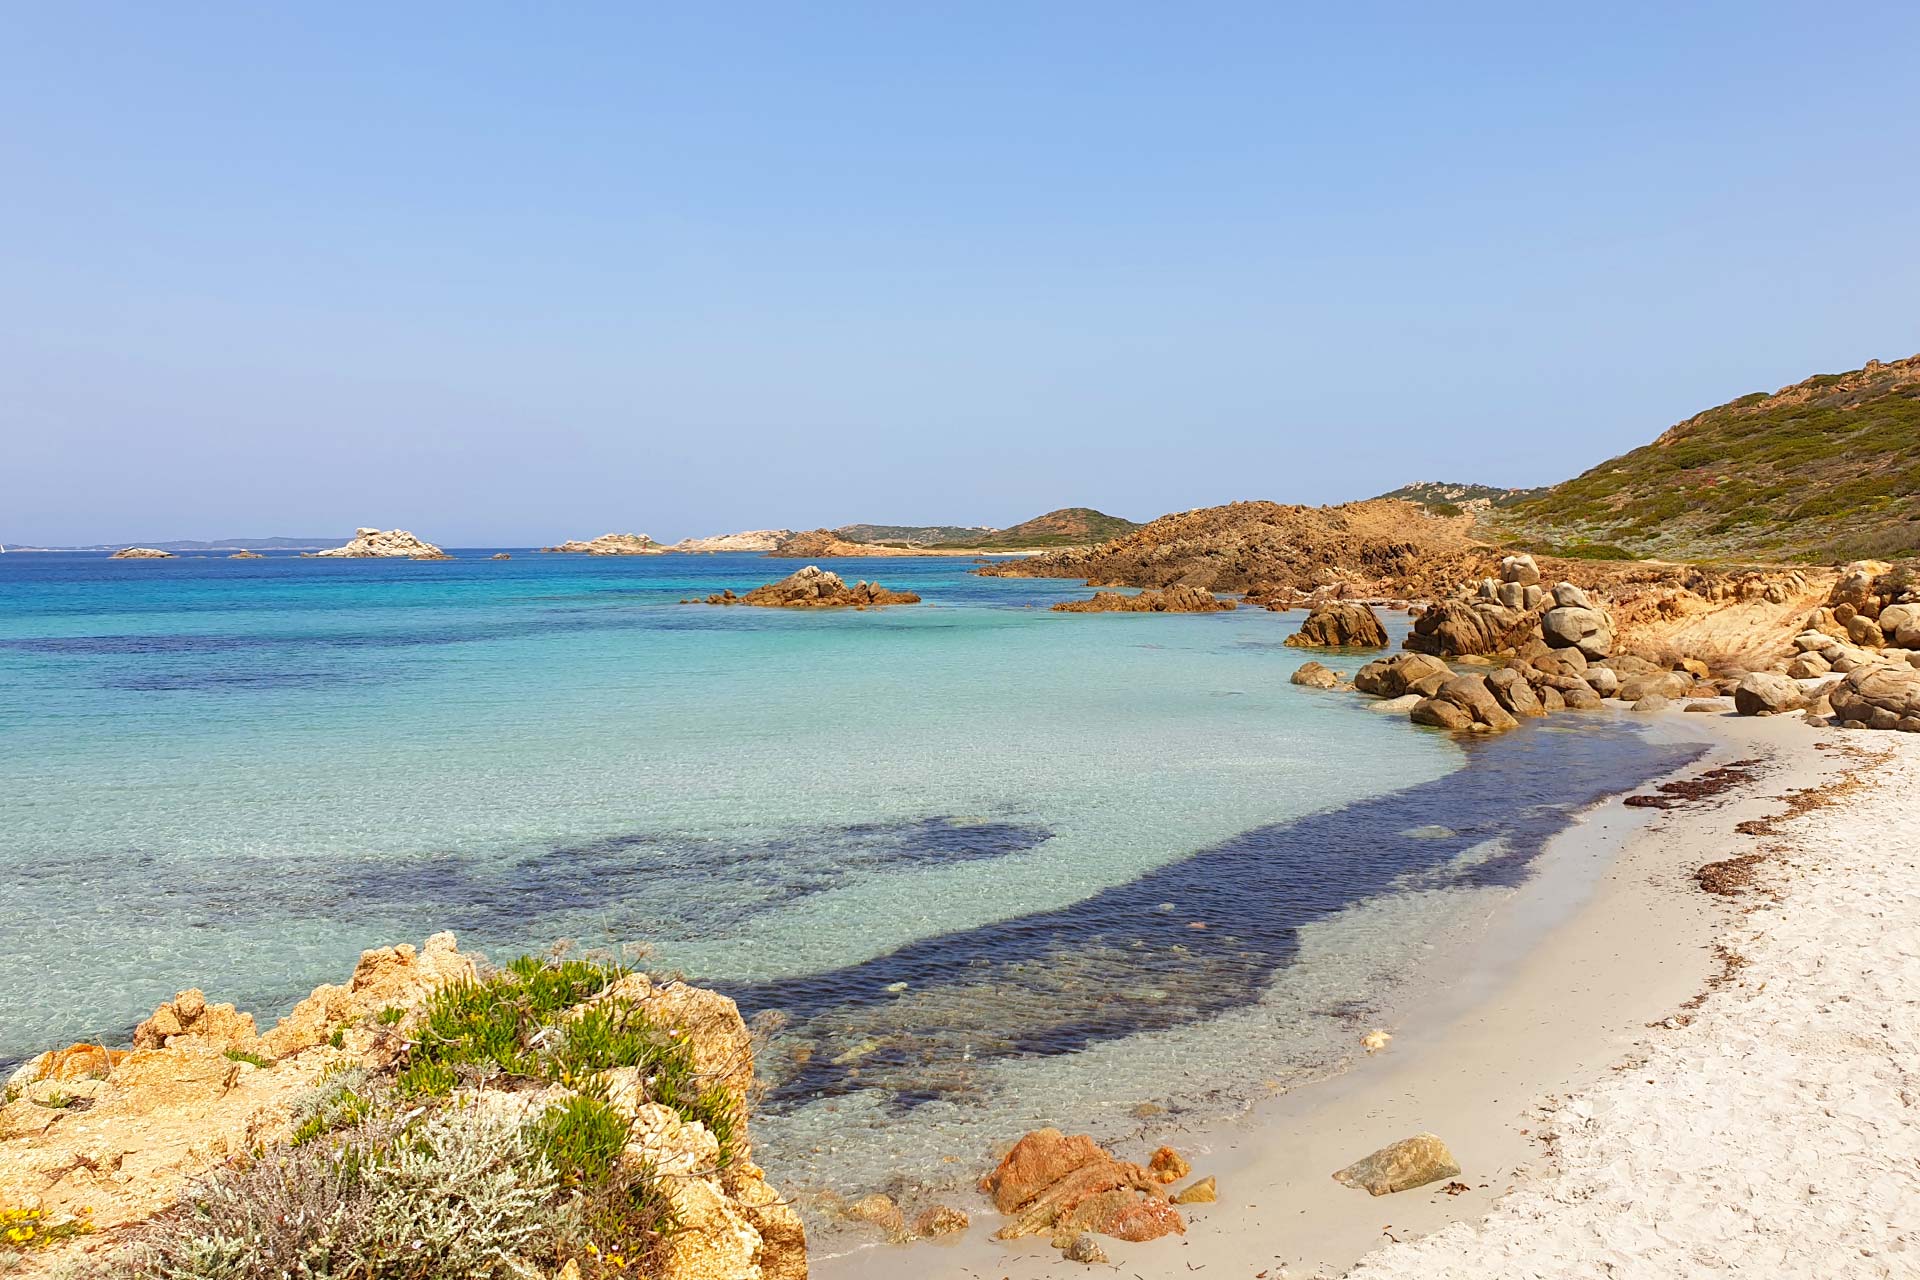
[969,865]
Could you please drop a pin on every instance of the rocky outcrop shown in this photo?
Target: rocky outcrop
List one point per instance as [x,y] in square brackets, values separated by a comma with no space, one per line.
[1171,600]
[392,544]
[1275,552]
[1402,674]
[1879,697]
[1497,617]
[246,555]
[141,553]
[1063,1186]
[610,544]
[1464,702]
[113,1138]
[816,588]
[1402,1166]
[1340,625]
[1573,623]
[1874,605]
[758,540]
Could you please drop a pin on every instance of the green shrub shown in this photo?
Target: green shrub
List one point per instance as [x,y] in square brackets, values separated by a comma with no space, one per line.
[241,1055]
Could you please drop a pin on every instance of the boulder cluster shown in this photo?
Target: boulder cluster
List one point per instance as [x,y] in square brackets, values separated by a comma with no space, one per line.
[1498,615]
[1858,662]
[1175,599]
[1558,646]
[814,588]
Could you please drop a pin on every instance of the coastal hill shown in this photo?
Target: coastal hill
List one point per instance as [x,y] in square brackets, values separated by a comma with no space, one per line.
[909,535]
[1442,498]
[1067,527]
[1827,469]
[1262,547]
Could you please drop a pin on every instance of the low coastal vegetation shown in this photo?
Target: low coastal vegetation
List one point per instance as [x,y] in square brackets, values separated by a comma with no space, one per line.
[557,1117]
[1826,469]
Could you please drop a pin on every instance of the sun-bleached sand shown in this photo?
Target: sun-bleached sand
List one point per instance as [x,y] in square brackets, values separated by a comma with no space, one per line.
[1622,1101]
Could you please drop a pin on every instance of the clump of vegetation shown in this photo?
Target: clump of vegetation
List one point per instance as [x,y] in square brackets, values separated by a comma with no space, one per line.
[437,1166]
[253,1059]
[25,1230]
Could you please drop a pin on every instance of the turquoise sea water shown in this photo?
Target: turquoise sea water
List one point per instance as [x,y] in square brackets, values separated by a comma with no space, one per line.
[978,856]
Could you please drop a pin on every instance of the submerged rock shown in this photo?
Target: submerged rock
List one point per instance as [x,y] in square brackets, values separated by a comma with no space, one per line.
[1411,1162]
[1315,676]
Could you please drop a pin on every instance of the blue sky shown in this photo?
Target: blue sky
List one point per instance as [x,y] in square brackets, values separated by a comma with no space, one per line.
[505,273]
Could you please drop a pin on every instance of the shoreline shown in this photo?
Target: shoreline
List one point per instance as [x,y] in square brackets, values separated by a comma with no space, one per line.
[1573,973]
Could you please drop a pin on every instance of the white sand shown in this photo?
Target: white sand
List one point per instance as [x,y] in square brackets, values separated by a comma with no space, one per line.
[1779,1133]
[1775,1133]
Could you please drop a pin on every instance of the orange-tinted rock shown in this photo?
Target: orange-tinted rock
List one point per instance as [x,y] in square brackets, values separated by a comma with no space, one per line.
[189,1016]
[816,588]
[1175,599]
[1036,1162]
[1124,1215]
[1167,1165]
[76,1062]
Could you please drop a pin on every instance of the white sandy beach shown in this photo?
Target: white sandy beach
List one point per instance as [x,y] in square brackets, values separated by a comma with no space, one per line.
[1621,1102]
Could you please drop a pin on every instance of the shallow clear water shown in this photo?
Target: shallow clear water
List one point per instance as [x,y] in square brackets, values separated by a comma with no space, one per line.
[1069,836]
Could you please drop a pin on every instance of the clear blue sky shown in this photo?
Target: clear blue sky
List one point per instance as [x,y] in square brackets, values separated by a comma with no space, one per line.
[507,273]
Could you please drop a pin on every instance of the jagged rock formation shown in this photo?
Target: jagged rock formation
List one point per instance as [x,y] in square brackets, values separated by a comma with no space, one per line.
[749,540]
[1273,552]
[391,544]
[141,553]
[92,1137]
[1172,600]
[610,544]
[1340,625]
[815,588]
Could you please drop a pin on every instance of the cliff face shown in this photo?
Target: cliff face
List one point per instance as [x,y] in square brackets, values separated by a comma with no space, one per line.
[392,544]
[546,1119]
[1272,551]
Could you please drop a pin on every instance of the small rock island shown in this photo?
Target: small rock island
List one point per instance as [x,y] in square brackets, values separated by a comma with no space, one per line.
[610,544]
[141,553]
[815,588]
[391,544]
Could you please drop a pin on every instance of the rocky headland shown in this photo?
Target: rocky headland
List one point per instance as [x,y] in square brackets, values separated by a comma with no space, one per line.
[610,544]
[141,553]
[748,540]
[396,544]
[814,588]
[556,1118]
